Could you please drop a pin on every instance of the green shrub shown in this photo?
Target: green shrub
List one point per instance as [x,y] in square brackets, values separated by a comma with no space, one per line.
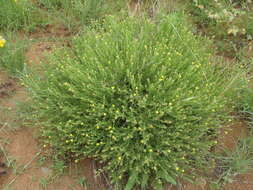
[138,95]
[12,55]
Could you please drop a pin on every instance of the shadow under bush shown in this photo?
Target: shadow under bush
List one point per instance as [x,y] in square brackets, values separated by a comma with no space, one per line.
[138,95]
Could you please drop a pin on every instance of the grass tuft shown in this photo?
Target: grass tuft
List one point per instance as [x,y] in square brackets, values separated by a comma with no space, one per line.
[139,96]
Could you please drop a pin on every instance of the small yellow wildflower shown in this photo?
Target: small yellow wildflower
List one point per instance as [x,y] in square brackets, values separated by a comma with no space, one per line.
[177,168]
[2,42]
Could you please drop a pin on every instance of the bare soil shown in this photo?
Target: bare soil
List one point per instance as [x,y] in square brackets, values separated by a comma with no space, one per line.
[241,182]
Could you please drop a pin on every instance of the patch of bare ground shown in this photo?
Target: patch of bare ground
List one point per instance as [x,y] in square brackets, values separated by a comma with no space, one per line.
[49,31]
[37,52]
[241,182]
[230,135]
[7,85]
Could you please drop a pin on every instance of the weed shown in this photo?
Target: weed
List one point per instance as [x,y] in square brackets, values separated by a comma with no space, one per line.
[42,160]
[44,182]
[58,167]
[224,21]
[16,15]
[82,181]
[78,13]
[236,162]
[12,55]
[10,162]
[140,97]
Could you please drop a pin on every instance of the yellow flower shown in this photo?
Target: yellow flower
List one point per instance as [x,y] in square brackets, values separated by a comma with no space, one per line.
[2,42]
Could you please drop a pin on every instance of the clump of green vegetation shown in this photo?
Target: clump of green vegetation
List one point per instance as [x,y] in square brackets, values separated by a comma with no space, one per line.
[18,14]
[12,55]
[238,161]
[137,95]
[228,22]
[77,13]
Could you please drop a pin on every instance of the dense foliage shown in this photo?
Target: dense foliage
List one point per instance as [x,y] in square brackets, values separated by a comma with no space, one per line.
[17,14]
[11,55]
[78,13]
[139,95]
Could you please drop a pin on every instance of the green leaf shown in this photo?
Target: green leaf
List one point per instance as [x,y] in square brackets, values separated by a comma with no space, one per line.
[144,181]
[187,178]
[164,174]
[131,181]
[158,186]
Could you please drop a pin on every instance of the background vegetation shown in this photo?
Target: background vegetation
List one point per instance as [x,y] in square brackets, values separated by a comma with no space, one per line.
[138,85]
